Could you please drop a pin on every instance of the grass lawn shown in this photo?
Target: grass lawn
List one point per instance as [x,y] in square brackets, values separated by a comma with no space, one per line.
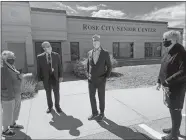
[134,77]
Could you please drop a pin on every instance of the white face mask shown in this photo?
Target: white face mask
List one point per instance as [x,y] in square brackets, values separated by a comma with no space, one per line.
[96,44]
[48,50]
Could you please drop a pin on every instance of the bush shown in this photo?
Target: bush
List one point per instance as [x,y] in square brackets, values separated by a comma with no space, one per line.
[80,67]
[28,86]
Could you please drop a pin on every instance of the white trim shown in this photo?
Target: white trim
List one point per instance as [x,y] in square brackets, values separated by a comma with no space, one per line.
[153,132]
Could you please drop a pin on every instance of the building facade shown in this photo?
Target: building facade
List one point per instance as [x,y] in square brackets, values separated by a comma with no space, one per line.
[24,28]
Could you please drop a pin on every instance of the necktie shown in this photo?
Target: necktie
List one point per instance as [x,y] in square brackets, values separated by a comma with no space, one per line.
[50,62]
[49,58]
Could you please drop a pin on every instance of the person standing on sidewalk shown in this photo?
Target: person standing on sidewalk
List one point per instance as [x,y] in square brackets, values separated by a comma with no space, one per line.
[98,69]
[10,94]
[172,77]
[49,71]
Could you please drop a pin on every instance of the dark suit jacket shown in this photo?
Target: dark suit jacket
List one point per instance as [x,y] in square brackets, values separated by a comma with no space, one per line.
[173,67]
[102,69]
[43,67]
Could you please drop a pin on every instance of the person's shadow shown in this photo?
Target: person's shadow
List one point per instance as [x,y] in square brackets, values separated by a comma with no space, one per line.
[122,131]
[19,136]
[64,122]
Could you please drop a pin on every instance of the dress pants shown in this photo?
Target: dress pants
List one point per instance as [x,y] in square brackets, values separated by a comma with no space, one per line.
[100,86]
[50,84]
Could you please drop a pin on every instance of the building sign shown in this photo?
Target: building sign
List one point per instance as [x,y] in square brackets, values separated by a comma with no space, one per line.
[87,27]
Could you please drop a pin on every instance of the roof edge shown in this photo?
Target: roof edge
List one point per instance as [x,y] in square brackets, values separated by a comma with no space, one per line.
[175,28]
[116,19]
[47,10]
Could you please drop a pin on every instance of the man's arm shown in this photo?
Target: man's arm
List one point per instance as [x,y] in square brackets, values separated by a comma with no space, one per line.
[181,74]
[87,63]
[38,69]
[59,66]
[108,64]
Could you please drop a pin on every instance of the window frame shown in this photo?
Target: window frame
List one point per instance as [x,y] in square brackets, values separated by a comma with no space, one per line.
[152,49]
[118,50]
[71,51]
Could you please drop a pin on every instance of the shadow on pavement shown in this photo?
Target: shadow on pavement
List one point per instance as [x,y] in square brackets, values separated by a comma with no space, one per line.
[63,122]
[122,131]
[19,136]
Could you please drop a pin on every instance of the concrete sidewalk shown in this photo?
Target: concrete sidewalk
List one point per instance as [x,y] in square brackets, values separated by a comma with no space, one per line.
[124,108]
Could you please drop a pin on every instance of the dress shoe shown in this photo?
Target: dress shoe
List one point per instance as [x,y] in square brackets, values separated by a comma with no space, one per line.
[58,109]
[16,126]
[168,131]
[8,133]
[170,137]
[100,117]
[49,110]
[92,117]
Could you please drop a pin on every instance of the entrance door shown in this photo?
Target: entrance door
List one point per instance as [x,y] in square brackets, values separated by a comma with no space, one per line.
[20,53]
[56,47]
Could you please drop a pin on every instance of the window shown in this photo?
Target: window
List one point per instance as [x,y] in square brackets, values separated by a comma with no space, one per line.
[123,49]
[153,49]
[74,49]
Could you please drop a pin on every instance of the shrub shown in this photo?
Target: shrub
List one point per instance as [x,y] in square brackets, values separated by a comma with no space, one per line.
[80,67]
[28,86]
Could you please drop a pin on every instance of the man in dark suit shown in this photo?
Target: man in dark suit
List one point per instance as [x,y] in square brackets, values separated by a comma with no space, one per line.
[49,70]
[98,69]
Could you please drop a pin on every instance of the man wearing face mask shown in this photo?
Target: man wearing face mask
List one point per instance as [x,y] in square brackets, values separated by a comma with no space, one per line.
[10,94]
[49,70]
[172,78]
[98,69]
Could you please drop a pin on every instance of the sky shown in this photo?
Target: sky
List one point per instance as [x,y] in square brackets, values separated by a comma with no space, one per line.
[173,12]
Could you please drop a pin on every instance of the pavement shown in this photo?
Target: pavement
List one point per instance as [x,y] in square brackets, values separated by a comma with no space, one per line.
[130,114]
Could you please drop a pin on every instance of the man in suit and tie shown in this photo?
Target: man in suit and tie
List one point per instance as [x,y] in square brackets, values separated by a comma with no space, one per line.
[49,71]
[98,69]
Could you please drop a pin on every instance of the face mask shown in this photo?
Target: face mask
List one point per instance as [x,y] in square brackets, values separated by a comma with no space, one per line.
[48,50]
[167,43]
[11,61]
[96,44]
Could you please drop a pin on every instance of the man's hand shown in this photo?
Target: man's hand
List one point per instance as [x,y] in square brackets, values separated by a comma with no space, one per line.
[21,76]
[89,76]
[61,79]
[158,86]
[166,90]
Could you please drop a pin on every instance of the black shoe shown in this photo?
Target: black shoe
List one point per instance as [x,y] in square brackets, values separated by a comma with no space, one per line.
[49,110]
[168,131]
[92,117]
[8,133]
[100,117]
[170,137]
[58,109]
[16,126]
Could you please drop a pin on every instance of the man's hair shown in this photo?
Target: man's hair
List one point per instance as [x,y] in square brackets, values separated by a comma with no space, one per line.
[44,43]
[96,37]
[172,34]
[6,54]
